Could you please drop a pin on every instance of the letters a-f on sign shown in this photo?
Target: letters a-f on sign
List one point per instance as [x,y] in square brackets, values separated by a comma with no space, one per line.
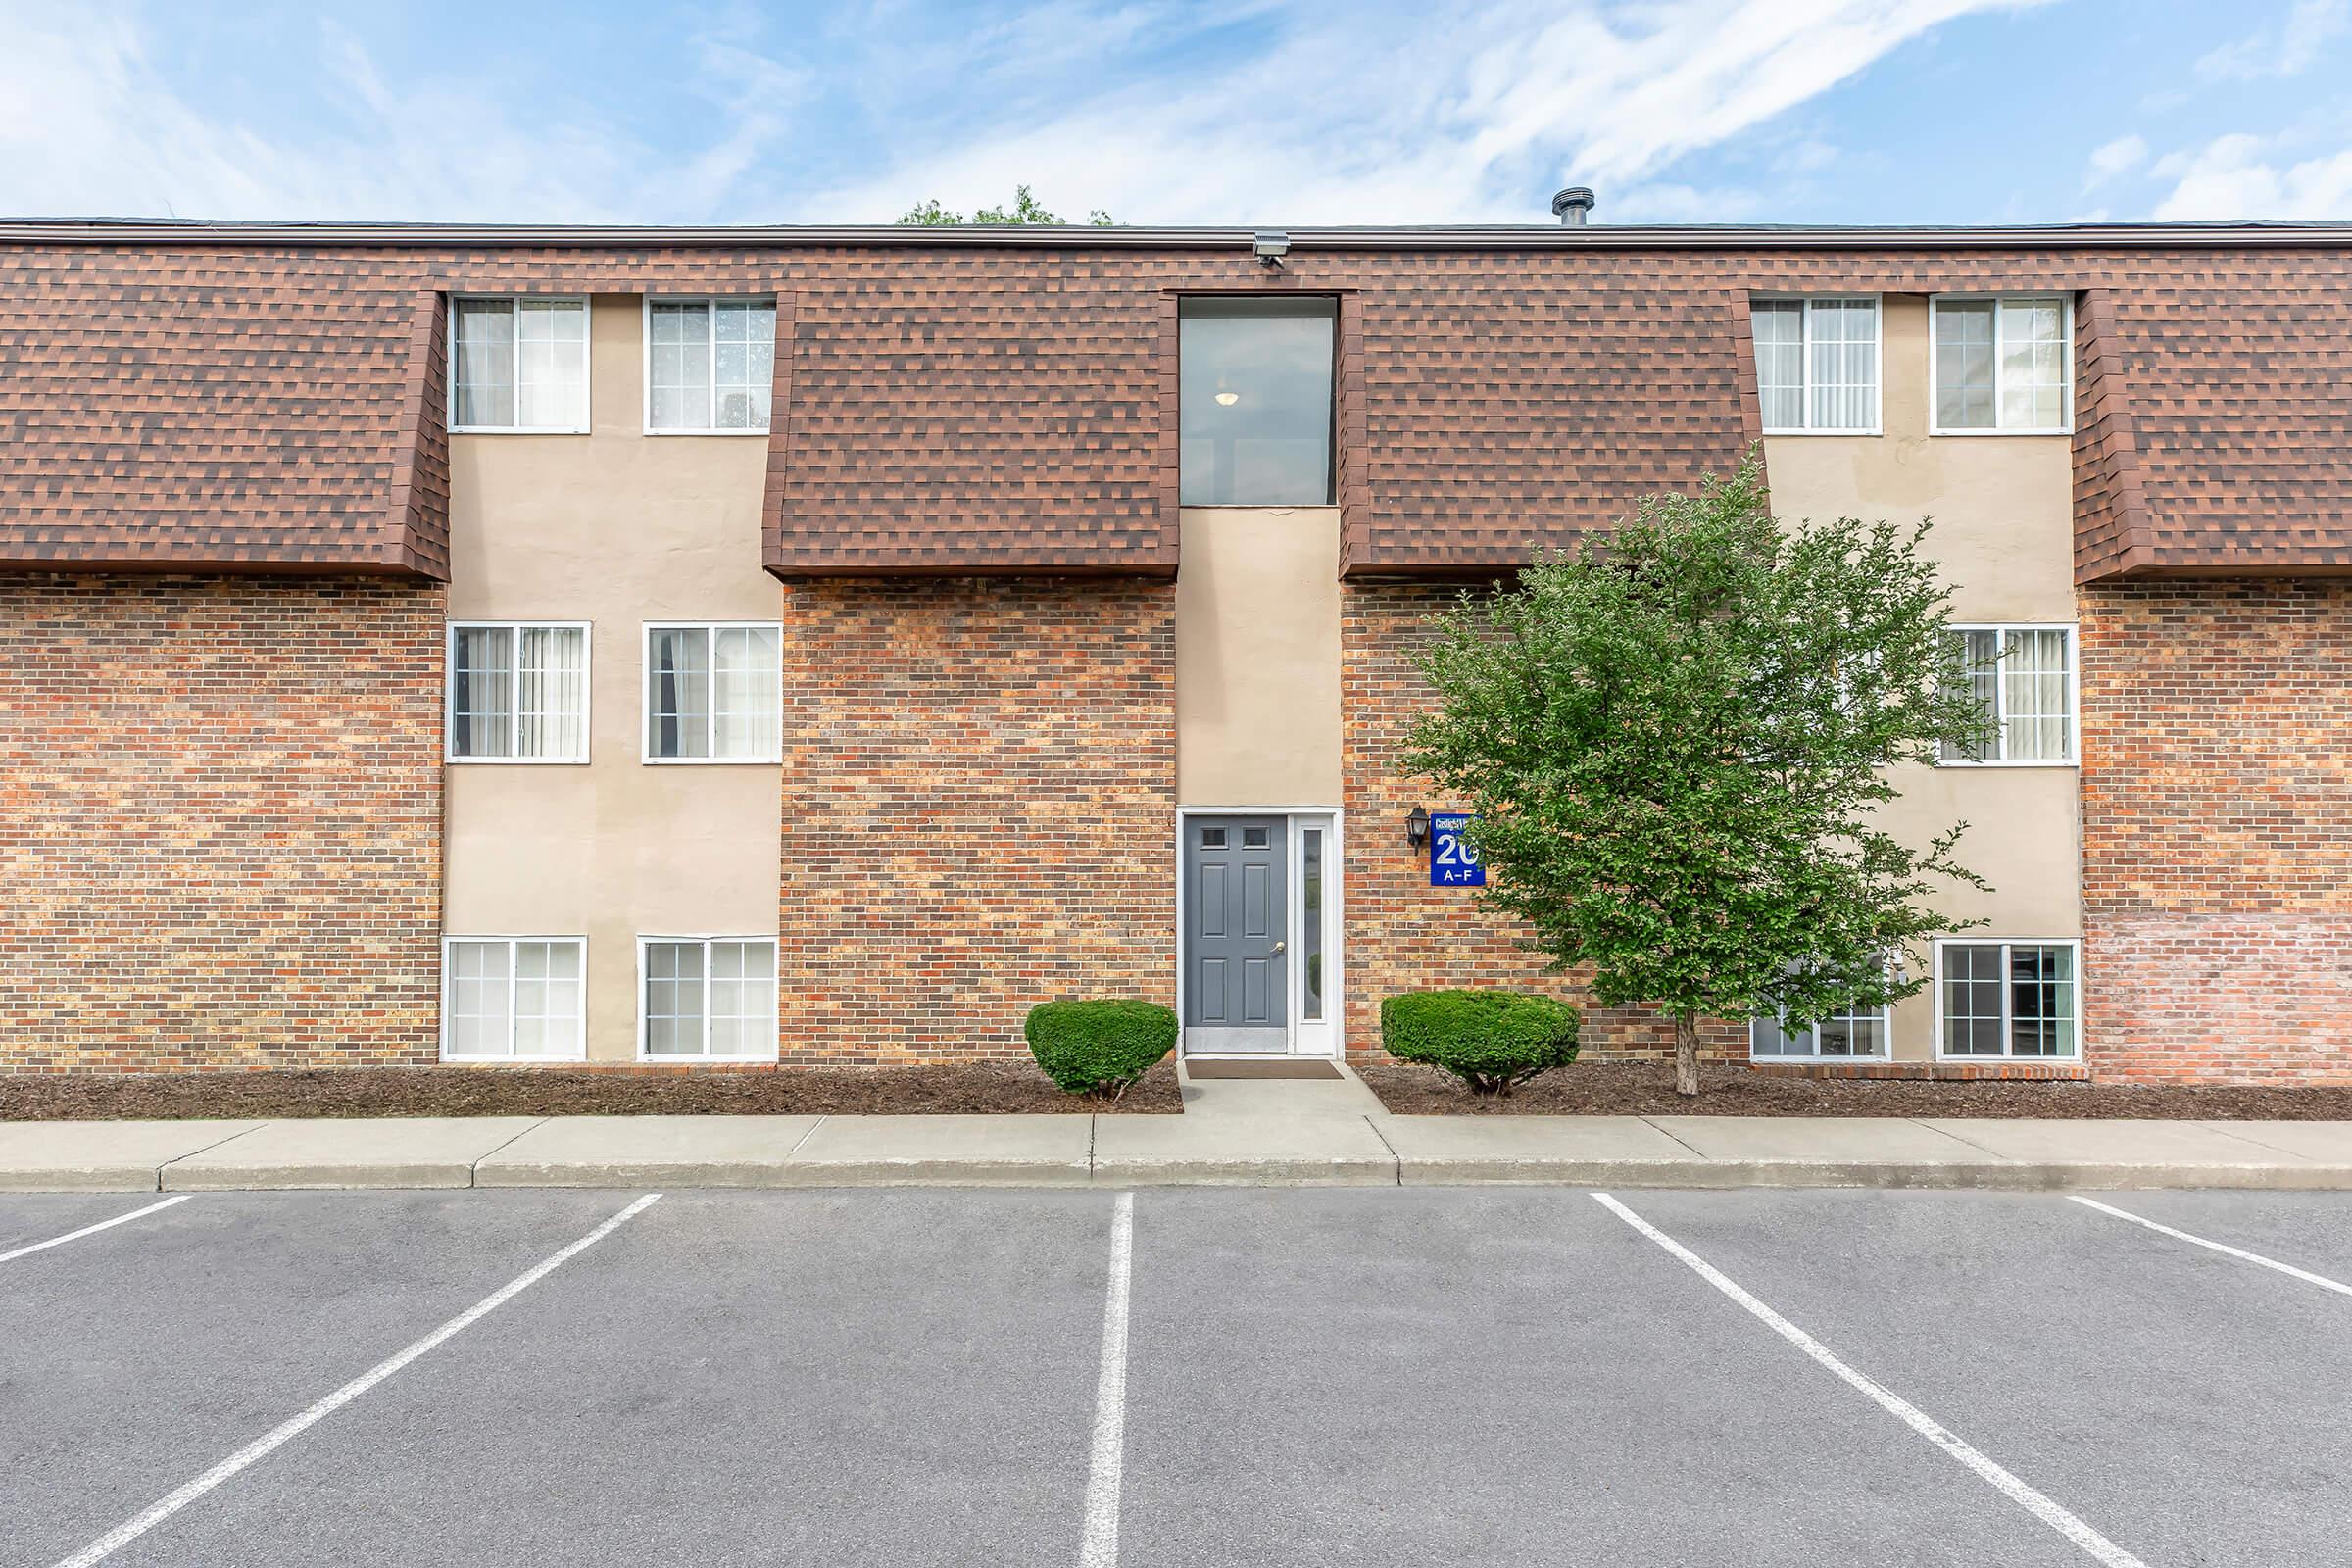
[1452,862]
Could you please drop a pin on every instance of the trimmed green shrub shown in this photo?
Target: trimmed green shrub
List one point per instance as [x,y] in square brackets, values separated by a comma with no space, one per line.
[1490,1040]
[1099,1046]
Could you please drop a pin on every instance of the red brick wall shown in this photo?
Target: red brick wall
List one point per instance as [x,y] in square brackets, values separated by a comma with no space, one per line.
[219,822]
[2217,830]
[1402,934]
[979,810]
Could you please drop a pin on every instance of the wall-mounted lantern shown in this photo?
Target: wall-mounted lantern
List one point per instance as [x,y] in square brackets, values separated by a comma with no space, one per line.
[1416,826]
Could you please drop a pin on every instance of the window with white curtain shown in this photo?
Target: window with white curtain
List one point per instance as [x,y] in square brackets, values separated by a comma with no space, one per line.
[518,365]
[2024,679]
[517,692]
[709,364]
[1817,365]
[2006,998]
[2003,364]
[709,996]
[512,998]
[713,693]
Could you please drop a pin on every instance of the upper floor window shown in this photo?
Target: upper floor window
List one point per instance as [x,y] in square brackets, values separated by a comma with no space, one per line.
[708,364]
[517,693]
[2024,678]
[2001,364]
[1255,401]
[712,693]
[1817,365]
[518,364]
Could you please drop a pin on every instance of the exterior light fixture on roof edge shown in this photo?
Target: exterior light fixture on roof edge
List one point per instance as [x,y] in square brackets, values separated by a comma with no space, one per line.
[1270,246]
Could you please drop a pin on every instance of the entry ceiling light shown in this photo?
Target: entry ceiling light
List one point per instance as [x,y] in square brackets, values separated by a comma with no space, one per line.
[1228,399]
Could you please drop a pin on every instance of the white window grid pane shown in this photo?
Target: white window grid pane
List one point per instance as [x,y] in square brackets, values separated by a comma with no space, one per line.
[1841,364]
[1780,335]
[481,691]
[677,692]
[1965,372]
[485,368]
[551,692]
[1980,652]
[2032,363]
[681,365]
[2041,1000]
[480,996]
[673,999]
[741,998]
[713,363]
[547,997]
[551,365]
[2037,722]
[745,697]
[1973,999]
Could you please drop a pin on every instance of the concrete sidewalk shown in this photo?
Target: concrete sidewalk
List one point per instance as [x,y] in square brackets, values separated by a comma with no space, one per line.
[1273,1140]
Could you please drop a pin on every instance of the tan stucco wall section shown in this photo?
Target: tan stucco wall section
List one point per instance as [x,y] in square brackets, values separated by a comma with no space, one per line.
[2001,510]
[617,528]
[1257,657]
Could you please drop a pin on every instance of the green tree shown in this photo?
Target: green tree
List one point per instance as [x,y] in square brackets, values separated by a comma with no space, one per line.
[1025,209]
[1676,741]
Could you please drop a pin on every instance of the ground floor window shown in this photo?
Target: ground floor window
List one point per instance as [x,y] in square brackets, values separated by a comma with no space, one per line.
[2006,998]
[1854,1033]
[511,996]
[709,997]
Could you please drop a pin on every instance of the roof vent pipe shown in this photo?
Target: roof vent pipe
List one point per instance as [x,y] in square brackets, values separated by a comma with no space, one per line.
[1571,205]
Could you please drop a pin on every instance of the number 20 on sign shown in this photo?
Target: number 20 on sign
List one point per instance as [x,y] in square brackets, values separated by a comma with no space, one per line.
[1452,862]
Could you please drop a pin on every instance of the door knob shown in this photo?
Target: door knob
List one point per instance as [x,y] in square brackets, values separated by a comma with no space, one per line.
[1280,945]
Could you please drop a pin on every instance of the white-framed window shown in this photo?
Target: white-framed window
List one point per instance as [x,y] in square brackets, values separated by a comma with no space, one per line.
[2007,998]
[518,364]
[1856,1032]
[517,692]
[709,366]
[711,999]
[511,998]
[1817,366]
[713,693]
[2001,366]
[2024,678]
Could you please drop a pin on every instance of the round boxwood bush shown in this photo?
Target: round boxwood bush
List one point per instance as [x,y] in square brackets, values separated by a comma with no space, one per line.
[1099,1046]
[1490,1040]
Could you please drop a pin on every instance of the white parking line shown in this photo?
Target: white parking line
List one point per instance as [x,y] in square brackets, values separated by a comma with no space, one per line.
[2034,1503]
[260,1447]
[92,1230]
[1100,1548]
[2289,1269]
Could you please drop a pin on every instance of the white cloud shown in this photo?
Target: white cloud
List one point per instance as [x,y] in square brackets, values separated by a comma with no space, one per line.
[2118,157]
[1440,116]
[1161,110]
[2284,50]
[2245,176]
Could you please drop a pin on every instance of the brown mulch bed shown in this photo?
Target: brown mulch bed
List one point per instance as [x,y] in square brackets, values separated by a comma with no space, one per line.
[1646,1089]
[989,1088]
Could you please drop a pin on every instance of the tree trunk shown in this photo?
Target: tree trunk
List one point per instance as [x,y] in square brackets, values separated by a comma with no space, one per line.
[1686,1053]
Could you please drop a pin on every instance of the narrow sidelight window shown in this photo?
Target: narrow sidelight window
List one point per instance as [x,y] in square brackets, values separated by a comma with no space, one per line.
[712,693]
[2003,364]
[518,365]
[709,366]
[517,692]
[512,998]
[1817,365]
[709,996]
[2007,998]
[1254,415]
[2023,677]
[1310,917]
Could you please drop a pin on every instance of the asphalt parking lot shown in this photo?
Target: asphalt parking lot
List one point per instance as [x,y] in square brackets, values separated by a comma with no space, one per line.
[1417,1376]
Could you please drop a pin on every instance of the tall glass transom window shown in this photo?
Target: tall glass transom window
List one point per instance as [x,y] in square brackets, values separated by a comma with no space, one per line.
[1255,401]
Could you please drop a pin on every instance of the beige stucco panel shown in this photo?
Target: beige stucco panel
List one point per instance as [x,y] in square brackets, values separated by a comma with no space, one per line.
[616,528]
[1257,657]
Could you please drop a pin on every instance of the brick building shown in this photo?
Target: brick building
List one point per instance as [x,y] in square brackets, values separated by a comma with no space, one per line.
[818,644]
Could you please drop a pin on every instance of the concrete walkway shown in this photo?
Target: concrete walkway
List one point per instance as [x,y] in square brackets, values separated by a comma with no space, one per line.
[1270,1132]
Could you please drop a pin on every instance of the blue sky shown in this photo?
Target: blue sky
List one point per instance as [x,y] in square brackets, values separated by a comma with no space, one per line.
[1214,111]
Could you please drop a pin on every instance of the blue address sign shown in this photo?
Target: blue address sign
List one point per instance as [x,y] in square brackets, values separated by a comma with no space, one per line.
[1452,862]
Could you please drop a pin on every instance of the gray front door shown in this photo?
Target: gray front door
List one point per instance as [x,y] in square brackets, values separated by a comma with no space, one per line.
[1235,918]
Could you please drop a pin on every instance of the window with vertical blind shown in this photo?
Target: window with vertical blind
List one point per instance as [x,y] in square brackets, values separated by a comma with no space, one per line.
[2024,679]
[2006,998]
[707,997]
[709,366]
[518,365]
[713,693]
[512,998]
[517,692]
[1817,365]
[2002,364]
